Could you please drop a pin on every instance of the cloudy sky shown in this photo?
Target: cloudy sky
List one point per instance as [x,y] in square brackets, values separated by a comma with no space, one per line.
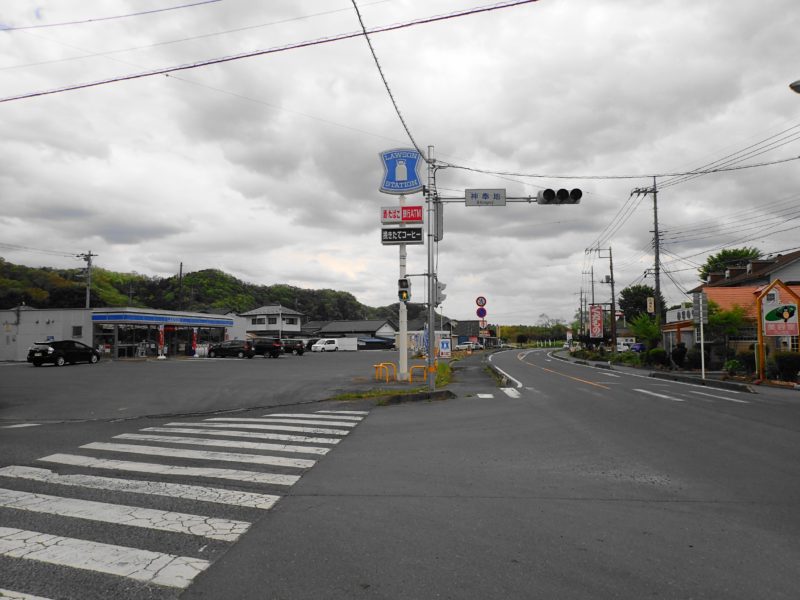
[267,167]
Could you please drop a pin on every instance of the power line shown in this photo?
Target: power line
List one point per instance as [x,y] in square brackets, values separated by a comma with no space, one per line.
[98,19]
[39,250]
[386,83]
[295,46]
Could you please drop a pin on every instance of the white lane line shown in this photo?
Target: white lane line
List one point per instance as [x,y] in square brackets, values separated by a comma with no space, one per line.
[133,516]
[510,392]
[123,465]
[246,434]
[316,416]
[255,459]
[9,595]
[612,375]
[141,565]
[343,412]
[19,426]
[665,397]
[314,430]
[485,395]
[287,421]
[222,443]
[506,375]
[720,397]
[152,488]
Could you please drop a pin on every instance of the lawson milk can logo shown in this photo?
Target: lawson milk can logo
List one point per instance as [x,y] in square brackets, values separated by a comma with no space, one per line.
[400,171]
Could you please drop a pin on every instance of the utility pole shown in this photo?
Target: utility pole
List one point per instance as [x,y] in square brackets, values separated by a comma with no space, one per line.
[180,288]
[613,303]
[431,275]
[656,243]
[88,258]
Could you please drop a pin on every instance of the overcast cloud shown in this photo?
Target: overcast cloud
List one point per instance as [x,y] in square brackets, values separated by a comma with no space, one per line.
[268,167]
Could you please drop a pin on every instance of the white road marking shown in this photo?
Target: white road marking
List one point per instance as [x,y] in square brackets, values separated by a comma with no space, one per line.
[246,434]
[720,397]
[141,565]
[122,465]
[222,443]
[287,421]
[506,375]
[133,516]
[255,459]
[316,416]
[510,392]
[665,397]
[612,375]
[153,488]
[485,395]
[314,430]
[343,412]
[19,426]
[9,595]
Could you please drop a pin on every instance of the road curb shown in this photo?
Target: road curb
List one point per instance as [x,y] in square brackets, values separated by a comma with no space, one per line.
[715,383]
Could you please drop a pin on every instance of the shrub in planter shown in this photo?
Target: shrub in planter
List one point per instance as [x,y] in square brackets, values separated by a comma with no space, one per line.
[733,366]
[657,356]
[679,354]
[771,370]
[788,365]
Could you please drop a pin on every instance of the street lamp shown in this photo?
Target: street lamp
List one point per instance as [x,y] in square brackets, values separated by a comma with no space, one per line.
[795,86]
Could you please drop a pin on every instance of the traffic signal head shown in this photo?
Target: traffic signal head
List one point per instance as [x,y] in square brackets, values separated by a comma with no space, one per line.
[440,295]
[404,289]
[560,196]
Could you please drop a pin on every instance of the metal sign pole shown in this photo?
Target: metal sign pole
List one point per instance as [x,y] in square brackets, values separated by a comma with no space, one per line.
[402,346]
[431,279]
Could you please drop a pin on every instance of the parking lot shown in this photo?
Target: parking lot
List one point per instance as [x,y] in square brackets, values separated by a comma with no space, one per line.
[132,388]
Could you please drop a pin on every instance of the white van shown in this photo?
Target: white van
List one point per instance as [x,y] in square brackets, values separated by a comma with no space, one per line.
[325,345]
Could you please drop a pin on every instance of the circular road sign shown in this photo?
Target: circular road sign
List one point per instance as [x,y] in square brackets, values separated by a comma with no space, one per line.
[480,301]
[481,312]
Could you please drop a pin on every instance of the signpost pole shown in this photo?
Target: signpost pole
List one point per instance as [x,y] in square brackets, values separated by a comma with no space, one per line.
[402,346]
[702,337]
[431,278]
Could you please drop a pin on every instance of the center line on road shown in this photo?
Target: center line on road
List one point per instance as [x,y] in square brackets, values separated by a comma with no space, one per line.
[664,396]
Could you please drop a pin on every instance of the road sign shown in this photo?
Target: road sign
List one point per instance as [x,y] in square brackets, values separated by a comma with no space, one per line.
[482,323]
[392,215]
[400,171]
[484,333]
[490,197]
[481,312]
[700,308]
[392,236]
[480,301]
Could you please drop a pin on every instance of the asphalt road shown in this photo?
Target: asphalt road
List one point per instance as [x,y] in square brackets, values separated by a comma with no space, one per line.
[573,482]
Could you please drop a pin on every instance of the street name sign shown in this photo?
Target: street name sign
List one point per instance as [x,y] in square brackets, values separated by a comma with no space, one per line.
[393,236]
[400,171]
[490,197]
[392,215]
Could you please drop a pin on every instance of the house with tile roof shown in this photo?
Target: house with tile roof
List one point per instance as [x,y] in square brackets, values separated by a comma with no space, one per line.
[273,320]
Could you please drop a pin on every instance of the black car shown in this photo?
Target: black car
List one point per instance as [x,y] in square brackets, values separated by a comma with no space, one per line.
[61,352]
[237,348]
[294,346]
[271,347]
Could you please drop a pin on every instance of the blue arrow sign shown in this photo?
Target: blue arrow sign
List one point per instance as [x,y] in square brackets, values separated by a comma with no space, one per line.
[400,171]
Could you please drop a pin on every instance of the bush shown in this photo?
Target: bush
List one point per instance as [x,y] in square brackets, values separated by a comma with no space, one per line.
[679,354]
[788,365]
[657,356]
[748,360]
[693,360]
[733,366]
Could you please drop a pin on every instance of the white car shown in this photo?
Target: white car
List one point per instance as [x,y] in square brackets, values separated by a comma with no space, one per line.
[326,345]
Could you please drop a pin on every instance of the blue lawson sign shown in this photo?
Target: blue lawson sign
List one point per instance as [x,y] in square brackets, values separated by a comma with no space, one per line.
[400,171]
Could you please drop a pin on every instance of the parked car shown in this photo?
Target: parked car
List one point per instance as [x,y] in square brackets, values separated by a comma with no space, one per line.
[326,345]
[61,352]
[294,346]
[237,348]
[311,342]
[268,347]
[638,347]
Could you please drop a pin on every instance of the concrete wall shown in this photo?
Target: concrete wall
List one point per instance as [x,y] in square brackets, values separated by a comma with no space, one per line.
[21,329]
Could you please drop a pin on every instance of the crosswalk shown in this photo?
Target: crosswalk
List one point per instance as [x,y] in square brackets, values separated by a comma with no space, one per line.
[122,512]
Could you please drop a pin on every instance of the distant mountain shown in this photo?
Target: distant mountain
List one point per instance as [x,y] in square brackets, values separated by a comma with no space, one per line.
[200,291]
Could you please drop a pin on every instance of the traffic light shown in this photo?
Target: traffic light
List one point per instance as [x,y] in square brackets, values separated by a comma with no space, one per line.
[404,289]
[561,196]
[440,295]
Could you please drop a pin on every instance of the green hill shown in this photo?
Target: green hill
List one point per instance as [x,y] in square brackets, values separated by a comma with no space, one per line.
[199,291]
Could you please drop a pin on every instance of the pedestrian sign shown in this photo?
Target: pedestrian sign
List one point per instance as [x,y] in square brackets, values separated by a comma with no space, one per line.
[400,171]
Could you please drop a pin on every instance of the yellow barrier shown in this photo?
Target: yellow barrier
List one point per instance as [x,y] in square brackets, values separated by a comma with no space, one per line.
[422,368]
[382,368]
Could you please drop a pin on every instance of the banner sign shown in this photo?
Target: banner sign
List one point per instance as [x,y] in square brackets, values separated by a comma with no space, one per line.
[596,321]
[407,235]
[392,215]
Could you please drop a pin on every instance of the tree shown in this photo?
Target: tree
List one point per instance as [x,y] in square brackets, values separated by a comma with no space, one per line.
[724,259]
[648,329]
[725,323]
[633,300]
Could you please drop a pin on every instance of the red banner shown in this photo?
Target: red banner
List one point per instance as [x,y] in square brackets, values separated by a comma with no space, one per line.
[596,321]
